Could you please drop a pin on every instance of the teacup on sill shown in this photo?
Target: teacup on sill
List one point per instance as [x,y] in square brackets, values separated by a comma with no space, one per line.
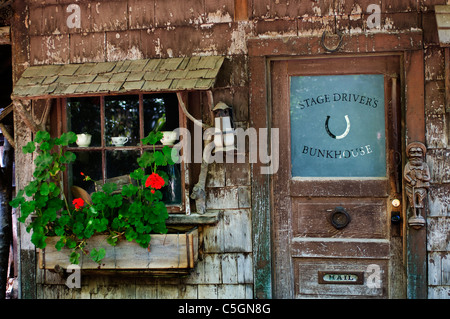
[169,137]
[119,140]
[83,140]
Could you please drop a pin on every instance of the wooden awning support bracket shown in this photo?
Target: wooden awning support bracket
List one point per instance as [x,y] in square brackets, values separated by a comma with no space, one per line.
[198,191]
[34,125]
[5,131]
[188,115]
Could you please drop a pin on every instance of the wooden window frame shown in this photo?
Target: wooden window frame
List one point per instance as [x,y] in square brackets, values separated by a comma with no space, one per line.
[59,125]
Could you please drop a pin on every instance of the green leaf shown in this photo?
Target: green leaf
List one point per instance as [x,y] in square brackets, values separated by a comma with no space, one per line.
[78,228]
[31,188]
[18,200]
[45,189]
[146,160]
[93,211]
[74,258]
[41,201]
[112,240]
[44,160]
[59,231]
[42,136]
[63,220]
[98,198]
[129,190]
[100,225]
[138,174]
[49,215]
[108,188]
[143,240]
[45,146]
[68,157]
[66,138]
[70,243]
[26,209]
[88,232]
[130,234]
[159,208]
[160,159]
[60,244]
[171,155]
[38,238]
[29,148]
[98,255]
[56,203]
[160,228]
[152,138]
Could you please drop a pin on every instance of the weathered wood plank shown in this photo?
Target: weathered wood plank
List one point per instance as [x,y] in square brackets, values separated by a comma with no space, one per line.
[166,251]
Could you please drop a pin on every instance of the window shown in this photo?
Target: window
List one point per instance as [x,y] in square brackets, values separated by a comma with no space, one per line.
[132,117]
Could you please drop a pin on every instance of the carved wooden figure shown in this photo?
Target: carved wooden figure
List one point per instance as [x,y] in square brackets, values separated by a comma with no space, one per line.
[417,177]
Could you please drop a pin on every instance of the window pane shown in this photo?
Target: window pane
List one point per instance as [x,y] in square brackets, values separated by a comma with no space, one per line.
[120,163]
[83,116]
[122,119]
[157,106]
[90,164]
[172,191]
[338,126]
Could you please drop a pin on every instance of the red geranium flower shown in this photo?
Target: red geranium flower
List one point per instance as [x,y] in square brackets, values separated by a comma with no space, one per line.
[78,202]
[154,181]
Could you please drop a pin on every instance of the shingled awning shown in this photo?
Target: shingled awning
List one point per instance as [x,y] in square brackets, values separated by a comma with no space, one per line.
[149,75]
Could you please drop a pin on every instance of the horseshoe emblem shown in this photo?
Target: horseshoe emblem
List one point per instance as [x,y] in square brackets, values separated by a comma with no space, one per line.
[338,137]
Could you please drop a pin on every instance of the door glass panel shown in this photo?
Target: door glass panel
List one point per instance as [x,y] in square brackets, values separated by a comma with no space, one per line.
[338,126]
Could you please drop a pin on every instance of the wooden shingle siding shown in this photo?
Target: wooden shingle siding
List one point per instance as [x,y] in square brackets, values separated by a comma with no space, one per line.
[172,74]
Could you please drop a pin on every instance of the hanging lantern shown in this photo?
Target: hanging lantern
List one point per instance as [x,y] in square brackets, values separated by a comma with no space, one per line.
[224,128]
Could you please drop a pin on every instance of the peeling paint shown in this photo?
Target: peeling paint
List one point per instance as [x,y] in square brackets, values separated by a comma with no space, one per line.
[158,47]
[53,53]
[317,10]
[239,39]
[218,17]
[388,24]
[117,54]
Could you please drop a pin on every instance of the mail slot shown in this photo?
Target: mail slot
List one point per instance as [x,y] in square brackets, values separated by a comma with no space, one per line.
[341,278]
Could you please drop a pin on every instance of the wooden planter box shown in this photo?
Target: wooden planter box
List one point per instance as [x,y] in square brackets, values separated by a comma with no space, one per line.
[173,251]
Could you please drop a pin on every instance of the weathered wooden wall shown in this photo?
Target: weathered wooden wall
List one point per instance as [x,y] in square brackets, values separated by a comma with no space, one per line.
[437,119]
[135,29]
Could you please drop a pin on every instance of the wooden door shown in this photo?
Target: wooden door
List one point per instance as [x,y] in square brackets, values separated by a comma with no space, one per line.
[336,232]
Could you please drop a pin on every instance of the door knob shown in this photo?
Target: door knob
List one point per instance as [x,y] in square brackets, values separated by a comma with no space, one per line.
[340,218]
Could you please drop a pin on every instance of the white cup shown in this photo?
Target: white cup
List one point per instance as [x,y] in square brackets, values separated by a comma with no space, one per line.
[119,140]
[83,140]
[169,137]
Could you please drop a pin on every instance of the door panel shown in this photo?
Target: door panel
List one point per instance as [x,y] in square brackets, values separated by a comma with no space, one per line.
[307,274]
[339,124]
[313,218]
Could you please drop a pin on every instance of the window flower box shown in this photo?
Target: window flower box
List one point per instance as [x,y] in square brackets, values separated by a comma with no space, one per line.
[172,251]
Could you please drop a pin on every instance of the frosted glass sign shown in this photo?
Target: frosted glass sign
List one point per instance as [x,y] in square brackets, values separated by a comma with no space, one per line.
[338,126]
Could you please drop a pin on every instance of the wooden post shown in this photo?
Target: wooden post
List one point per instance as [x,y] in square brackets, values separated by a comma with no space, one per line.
[416,239]
[5,214]
[240,10]
[20,50]
[261,212]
